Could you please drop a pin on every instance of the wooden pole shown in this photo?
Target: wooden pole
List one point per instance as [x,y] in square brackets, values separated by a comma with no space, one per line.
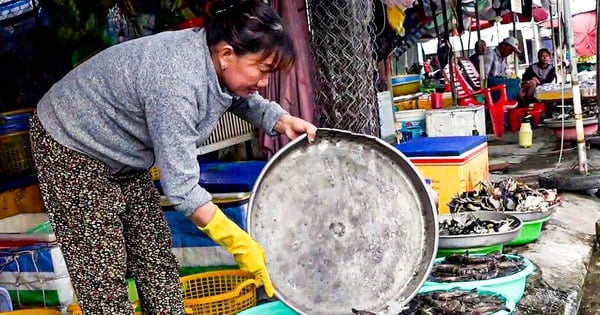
[581,151]
[597,58]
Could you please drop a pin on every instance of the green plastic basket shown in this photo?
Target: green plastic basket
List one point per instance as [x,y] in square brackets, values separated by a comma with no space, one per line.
[443,252]
[530,231]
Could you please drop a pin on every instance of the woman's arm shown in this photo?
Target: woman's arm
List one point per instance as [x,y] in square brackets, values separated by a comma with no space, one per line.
[259,112]
[272,118]
[529,74]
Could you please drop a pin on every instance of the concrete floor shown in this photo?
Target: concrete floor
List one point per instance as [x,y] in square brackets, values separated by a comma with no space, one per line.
[562,253]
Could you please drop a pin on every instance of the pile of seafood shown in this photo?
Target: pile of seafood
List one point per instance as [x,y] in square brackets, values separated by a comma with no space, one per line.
[459,267]
[455,302]
[505,195]
[470,224]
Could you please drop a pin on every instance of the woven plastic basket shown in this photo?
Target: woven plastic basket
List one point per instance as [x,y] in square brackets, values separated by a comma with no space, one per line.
[222,292]
[34,311]
[15,154]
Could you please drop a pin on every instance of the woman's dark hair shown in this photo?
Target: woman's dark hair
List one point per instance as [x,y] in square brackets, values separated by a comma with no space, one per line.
[479,45]
[249,26]
[543,50]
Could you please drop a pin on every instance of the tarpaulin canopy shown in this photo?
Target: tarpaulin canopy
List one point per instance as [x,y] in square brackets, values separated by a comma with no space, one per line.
[538,14]
[576,6]
[584,32]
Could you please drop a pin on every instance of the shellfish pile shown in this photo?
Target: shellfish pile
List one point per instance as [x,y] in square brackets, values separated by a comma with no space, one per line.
[455,302]
[459,268]
[470,224]
[452,302]
[506,195]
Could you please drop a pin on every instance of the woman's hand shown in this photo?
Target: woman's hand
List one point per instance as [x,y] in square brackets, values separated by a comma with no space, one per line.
[293,127]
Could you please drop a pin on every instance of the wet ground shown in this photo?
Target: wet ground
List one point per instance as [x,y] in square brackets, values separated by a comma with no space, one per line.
[567,276]
[590,301]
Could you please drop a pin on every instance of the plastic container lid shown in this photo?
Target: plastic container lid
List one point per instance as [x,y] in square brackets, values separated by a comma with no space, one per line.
[346,222]
[440,146]
[410,115]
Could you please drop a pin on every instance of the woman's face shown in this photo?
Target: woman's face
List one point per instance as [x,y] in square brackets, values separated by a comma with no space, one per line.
[244,75]
[544,58]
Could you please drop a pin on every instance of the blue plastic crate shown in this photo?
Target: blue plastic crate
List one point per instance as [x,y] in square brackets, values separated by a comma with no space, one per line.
[14,123]
[18,182]
[227,177]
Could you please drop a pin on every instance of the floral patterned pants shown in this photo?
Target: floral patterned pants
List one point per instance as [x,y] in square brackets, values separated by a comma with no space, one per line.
[107,226]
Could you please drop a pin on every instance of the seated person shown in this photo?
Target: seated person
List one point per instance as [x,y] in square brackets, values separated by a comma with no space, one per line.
[537,74]
[496,68]
[480,47]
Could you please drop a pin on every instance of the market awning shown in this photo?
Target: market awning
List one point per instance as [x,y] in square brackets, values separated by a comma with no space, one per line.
[584,32]
[538,14]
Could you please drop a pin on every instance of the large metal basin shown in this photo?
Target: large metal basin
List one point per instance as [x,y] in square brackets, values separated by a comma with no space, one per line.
[346,223]
[481,240]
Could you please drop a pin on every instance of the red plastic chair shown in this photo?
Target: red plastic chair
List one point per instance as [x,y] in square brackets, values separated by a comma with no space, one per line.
[466,97]
[471,72]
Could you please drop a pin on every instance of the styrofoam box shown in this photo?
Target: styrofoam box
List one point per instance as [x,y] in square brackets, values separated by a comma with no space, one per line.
[14,228]
[455,121]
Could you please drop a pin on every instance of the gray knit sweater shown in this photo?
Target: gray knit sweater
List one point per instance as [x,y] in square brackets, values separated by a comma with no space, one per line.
[152,99]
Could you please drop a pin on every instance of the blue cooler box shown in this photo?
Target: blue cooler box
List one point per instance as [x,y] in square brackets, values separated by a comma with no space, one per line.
[440,146]
[454,164]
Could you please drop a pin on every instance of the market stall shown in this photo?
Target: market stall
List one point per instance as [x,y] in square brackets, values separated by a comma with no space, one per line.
[330,218]
[558,102]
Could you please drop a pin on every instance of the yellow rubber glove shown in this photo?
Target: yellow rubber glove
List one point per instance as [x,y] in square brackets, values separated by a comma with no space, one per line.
[247,253]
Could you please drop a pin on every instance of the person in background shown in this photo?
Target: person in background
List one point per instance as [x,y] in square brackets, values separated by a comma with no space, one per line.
[153,100]
[480,48]
[536,74]
[497,70]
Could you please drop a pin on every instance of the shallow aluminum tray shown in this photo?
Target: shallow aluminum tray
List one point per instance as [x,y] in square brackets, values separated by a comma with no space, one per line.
[480,240]
[558,123]
[346,223]
[532,215]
